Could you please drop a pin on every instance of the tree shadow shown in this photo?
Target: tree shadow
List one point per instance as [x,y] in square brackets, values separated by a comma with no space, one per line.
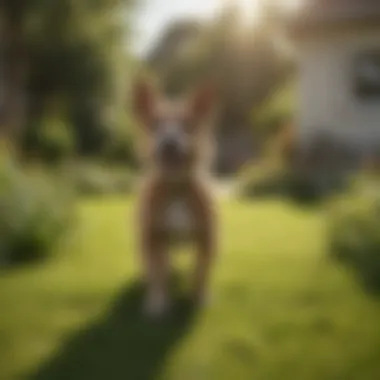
[123,345]
[370,282]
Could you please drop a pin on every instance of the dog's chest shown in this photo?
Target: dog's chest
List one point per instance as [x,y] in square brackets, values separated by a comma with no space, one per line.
[177,218]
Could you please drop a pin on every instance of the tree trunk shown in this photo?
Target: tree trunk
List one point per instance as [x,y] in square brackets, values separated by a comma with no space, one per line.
[12,78]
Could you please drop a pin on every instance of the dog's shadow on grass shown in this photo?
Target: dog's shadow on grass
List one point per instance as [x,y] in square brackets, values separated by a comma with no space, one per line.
[122,346]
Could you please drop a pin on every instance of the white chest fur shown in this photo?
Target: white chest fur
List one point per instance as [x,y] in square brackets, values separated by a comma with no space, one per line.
[177,217]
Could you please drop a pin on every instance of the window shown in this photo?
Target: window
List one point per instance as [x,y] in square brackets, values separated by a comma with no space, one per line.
[367,75]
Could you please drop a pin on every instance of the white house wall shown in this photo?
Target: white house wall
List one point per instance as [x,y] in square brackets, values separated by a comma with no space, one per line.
[326,97]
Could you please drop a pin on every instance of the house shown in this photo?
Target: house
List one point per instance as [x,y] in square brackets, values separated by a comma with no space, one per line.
[337,43]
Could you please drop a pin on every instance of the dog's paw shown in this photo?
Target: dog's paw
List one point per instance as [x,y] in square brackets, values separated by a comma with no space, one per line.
[156,307]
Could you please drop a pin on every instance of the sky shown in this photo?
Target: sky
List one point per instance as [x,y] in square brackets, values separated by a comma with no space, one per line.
[155,15]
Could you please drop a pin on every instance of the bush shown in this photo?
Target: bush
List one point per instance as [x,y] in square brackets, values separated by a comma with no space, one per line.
[285,170]
[49,138]
[280,180]
[56,139]
[354,231]
[34,214]
[260,180]
[92,179]
[120,148]
[276,111]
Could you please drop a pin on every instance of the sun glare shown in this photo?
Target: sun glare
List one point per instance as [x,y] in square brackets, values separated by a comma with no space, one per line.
[251,8]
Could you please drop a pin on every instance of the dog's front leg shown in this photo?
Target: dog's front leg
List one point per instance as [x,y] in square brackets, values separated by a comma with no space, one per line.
[153,253]
[206,242]
[205,256]
[156,268]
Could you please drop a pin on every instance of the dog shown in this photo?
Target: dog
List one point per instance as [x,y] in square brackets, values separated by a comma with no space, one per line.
[176,203]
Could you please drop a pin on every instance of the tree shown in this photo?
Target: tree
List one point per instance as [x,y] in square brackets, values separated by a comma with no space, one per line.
[71,50]
[246,63]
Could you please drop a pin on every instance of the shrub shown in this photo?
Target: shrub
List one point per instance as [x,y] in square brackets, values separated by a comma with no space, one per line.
[354,230]
[261,180]
[276,111]
[34,214]
[120,148]
[286,170]
[56,139]
[92,179]
[121,151]
[280,180]
[50,138]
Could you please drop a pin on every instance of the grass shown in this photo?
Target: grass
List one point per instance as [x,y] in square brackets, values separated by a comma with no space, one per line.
[280,311]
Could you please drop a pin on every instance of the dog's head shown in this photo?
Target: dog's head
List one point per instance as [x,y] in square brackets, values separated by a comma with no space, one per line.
[177,133]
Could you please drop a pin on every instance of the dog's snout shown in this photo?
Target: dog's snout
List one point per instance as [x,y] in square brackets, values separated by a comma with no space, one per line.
[170,146]
[170,150]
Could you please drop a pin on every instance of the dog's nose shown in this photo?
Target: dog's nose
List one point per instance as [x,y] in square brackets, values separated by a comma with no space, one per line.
[170,150]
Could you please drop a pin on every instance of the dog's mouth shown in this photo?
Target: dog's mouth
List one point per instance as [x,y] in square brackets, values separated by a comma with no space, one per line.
[173,163]
[173,158]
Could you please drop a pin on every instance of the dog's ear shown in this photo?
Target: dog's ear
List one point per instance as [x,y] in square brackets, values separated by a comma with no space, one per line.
[203,102]
[144,101]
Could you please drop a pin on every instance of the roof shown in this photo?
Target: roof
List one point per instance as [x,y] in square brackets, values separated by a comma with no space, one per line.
[322,13]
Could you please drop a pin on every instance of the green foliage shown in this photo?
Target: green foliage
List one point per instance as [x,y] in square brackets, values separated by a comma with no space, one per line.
[121,145]
[276,112]
[268,179]
[96,180]
[284,170]
[35,213]
[244,62]
[76,52]
[55,140]
[262,180]
[355,230]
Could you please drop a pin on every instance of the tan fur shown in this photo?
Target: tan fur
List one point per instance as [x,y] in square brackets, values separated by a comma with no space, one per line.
[176,206]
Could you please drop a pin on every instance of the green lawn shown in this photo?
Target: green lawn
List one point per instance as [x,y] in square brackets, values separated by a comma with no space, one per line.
[280,310]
